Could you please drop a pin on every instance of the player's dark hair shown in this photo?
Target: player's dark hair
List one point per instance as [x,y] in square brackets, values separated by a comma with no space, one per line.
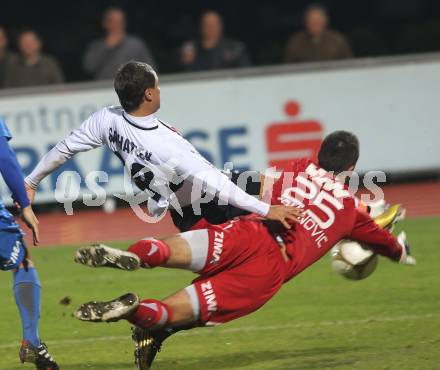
[339,151]
[131,81]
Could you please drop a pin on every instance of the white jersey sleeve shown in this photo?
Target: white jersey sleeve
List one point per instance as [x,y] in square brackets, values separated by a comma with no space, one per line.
[204,175]
[88,136]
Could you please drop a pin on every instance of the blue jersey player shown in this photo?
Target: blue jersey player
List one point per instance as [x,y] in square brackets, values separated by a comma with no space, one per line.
[14,257]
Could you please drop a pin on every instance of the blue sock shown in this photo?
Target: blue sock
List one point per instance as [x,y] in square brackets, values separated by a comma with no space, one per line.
[27,296]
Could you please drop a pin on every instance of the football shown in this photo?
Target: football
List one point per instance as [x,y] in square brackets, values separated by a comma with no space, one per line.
[353,260]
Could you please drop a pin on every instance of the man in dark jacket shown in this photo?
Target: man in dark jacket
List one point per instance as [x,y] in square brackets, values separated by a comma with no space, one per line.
[213,51]
[6,57]
[317,42]
[32,68]
[105,55]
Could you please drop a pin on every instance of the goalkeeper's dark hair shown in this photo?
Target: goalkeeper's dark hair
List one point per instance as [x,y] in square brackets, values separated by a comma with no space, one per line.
[339,151]
[131,81]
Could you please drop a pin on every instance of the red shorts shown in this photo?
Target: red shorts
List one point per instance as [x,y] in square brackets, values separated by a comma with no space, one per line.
[244,269]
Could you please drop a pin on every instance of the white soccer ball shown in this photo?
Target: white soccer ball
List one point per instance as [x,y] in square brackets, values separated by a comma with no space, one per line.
[353,260]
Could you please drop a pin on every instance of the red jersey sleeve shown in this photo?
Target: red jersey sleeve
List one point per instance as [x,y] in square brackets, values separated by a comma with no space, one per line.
[365,230]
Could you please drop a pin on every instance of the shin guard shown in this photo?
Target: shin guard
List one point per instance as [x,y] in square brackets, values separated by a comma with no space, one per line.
[151,314]
[152,252]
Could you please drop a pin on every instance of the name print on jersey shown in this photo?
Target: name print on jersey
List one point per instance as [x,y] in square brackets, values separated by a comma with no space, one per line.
[316,232]
[128,146]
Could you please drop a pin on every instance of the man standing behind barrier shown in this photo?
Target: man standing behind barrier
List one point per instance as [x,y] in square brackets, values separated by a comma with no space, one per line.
[213,50]
[6,57]
[104,56]
[33,68]
[317,42]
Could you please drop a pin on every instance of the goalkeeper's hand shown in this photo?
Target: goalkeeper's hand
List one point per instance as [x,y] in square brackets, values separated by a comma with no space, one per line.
[406,258]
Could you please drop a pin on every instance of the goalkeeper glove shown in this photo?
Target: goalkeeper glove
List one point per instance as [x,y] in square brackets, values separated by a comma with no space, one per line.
[406,258]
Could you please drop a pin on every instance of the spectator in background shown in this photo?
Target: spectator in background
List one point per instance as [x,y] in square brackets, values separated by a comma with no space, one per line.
[317,42]
[32,67]
[104,56]
[6,57]
[213,50]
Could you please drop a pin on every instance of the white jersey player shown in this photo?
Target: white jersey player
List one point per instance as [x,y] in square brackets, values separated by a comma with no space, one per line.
[158,158]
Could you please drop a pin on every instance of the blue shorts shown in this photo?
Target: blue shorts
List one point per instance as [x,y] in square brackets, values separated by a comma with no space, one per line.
[12,250]
[12,247]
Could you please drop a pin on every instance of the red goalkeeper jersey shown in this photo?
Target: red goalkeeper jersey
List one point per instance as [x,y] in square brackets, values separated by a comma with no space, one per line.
[330,215]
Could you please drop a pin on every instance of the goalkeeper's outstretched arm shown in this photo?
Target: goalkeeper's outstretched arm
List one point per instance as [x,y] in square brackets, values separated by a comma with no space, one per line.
[366,230]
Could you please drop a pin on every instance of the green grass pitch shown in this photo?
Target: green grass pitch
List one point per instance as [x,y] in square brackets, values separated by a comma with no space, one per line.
[318,321]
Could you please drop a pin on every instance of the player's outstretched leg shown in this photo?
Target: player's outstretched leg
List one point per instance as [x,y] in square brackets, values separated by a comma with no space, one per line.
[148,313]
[100,255]
[27,296]
[147,253]
[108,311]
[154,320]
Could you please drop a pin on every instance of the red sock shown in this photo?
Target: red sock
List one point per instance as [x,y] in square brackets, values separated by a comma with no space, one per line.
[151,313]
[152,252]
